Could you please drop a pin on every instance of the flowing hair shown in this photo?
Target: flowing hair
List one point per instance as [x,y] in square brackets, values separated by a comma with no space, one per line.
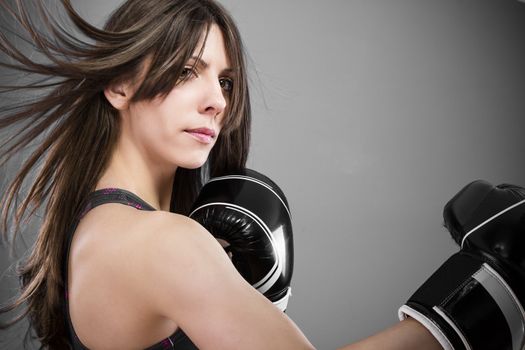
[75,128]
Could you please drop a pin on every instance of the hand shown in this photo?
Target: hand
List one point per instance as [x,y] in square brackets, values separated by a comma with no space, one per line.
[475,299]
[249,215]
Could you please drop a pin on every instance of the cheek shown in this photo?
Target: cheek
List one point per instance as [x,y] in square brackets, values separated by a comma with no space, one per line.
[151,128]
[175,110]
[162,121]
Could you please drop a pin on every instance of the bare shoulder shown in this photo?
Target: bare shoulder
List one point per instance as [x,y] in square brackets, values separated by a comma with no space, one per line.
[160,244]
[174,237]
[195,284]
[170,226]
[120,262]
[178,245]
[176,269]
[139,244]
[139,230]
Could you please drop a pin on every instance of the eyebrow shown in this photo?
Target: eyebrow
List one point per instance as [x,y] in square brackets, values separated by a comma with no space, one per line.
[202,63]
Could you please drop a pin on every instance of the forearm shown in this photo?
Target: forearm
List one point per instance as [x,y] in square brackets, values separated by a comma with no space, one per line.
[405,335]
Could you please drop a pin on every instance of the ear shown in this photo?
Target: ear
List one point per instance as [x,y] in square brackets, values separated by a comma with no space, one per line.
[119,95]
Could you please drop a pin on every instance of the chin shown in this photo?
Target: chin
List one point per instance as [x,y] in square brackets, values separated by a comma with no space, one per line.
[194,163]
[191,157]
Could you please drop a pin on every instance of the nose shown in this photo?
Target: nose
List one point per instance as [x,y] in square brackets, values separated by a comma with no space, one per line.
[214,101]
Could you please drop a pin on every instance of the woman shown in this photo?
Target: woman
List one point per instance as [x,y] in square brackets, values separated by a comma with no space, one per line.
[150,106]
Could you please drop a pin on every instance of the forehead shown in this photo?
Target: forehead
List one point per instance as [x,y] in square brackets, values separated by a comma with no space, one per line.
[214,50]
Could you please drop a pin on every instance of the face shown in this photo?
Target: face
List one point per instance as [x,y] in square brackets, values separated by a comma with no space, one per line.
[181,128]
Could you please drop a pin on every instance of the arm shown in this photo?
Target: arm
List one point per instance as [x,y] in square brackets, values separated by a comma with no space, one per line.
[197,287]
[219,310]
[475,299]
[192,282]
[405,335]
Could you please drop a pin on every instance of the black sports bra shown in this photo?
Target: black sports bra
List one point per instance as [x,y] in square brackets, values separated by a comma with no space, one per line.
[177,340]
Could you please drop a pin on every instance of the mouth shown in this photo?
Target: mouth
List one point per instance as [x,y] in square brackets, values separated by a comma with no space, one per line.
[203,135]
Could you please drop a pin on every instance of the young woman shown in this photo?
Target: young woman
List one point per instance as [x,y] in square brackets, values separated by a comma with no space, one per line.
[146,108]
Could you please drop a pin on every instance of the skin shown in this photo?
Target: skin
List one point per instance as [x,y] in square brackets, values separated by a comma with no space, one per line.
[155,139]
[132,285]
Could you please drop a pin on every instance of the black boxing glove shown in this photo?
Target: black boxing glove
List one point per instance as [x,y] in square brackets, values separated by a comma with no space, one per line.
[476,299]
[249,214]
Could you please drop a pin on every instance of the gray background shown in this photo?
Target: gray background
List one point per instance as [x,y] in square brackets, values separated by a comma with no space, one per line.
[371,115]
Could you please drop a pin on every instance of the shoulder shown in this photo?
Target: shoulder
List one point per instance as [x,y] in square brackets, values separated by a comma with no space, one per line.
[163,233]
[150,249]
[130,228]
[190,280]
[141,244]
[174,268]
[153,236]
[174,242]
[161,242]
[179,263]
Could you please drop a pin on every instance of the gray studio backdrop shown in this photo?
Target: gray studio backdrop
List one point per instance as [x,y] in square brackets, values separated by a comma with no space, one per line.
[371,115]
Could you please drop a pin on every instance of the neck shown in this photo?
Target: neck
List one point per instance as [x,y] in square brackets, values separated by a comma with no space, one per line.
[130,170]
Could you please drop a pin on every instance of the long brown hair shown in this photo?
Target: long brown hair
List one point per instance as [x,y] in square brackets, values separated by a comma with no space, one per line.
[75,127]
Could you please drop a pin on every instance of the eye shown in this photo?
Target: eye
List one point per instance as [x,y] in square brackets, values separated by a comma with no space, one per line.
[187,73]
[226,84]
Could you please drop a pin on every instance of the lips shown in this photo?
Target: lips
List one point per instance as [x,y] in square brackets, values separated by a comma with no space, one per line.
[203,135]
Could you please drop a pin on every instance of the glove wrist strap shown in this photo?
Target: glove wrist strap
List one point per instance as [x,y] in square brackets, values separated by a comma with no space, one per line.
[466,304]
[282,303]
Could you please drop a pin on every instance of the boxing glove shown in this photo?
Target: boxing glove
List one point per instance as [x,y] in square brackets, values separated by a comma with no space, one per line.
[249,214]
[476,299]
